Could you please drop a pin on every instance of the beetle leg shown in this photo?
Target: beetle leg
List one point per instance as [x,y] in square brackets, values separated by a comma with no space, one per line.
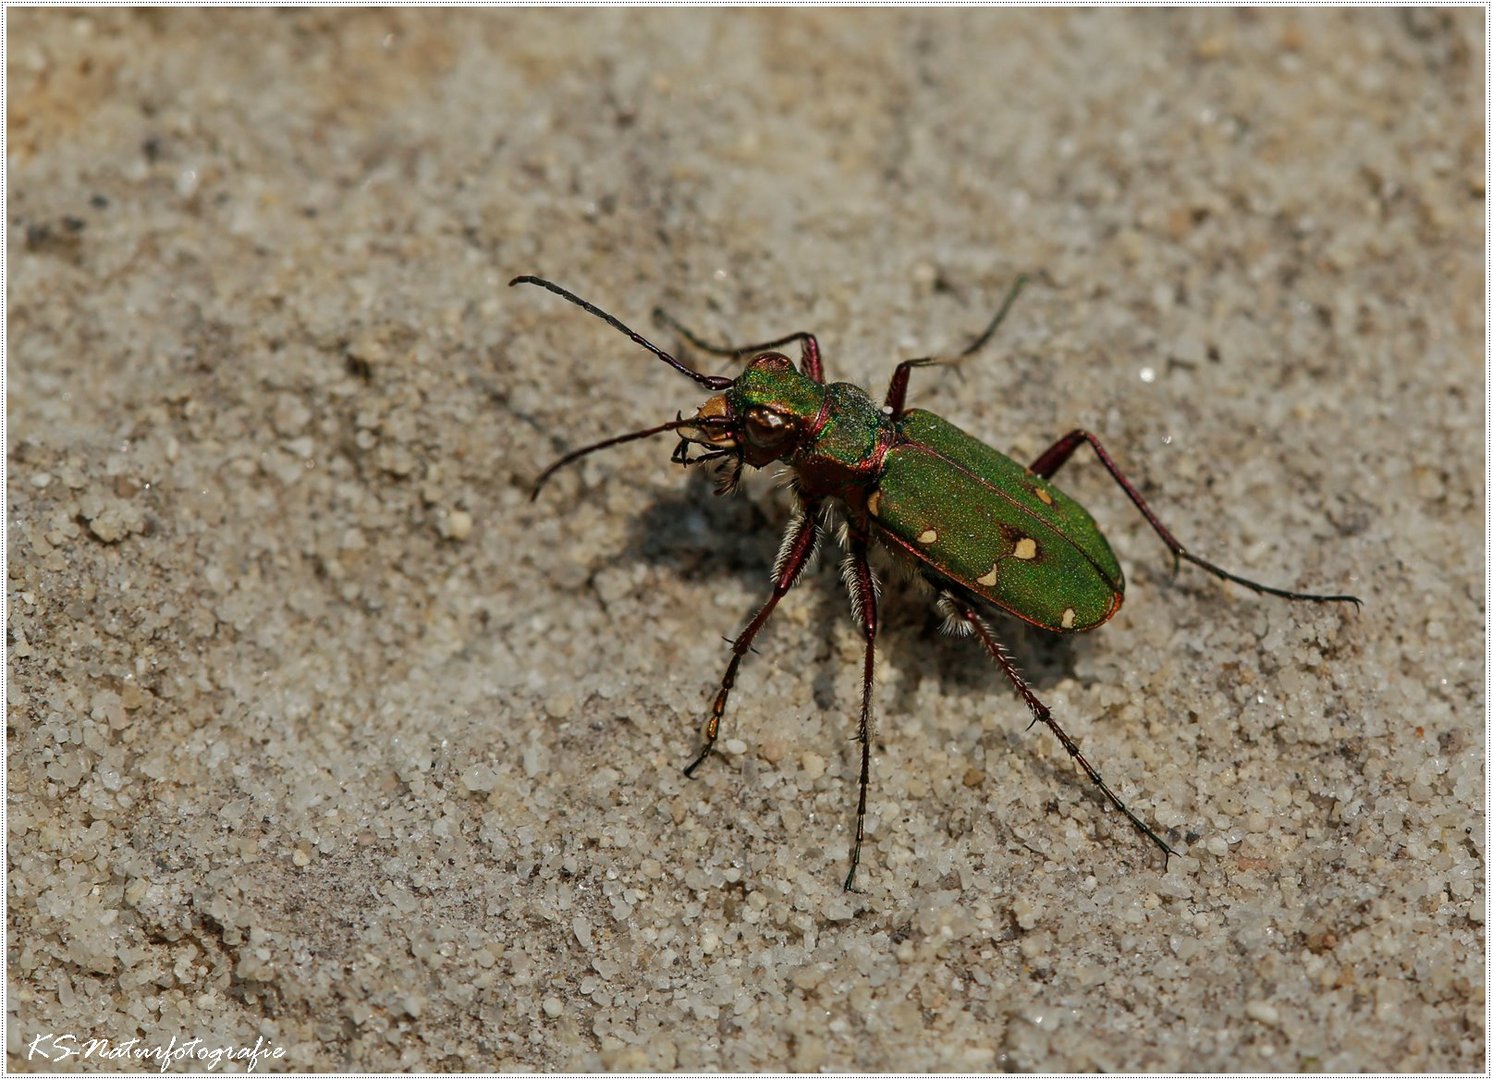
[813,365]
[1056,456]
[966,610]
[862,586]
[797,545]
[896,394]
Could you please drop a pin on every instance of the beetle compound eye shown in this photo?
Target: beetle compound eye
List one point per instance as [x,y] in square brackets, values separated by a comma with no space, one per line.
[768,429]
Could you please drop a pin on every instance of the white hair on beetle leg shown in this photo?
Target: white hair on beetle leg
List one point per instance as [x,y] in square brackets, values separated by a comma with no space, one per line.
[795,526]
[851,581]
[849,573]
[831,521]
[973,622]
[955,623]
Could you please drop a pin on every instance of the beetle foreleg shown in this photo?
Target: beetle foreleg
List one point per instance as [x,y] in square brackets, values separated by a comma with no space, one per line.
[797,546]
[1039,712]
[812,365]
[1056,456]
[862,585]
[896,394]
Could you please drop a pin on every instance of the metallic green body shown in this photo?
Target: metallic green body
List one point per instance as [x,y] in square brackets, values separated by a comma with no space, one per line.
[974,515]
[773,381]
[966,511]
[853,428]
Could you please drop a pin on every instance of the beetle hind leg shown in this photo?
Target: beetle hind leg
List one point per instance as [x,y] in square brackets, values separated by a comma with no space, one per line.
[1056,456]
[963,609]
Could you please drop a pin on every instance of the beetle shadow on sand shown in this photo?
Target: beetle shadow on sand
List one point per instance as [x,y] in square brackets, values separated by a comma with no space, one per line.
[701,538]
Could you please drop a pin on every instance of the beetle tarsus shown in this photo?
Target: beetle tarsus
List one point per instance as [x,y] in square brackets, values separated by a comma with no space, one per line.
[896,394]
[698,761]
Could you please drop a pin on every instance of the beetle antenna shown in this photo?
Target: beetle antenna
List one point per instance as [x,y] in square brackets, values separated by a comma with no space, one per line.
[710,382]
[576,455]
[989,331]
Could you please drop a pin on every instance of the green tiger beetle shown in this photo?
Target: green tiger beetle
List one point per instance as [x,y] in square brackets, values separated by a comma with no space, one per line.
[980,527]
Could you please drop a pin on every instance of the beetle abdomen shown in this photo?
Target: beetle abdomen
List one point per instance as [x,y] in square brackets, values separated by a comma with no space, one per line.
[990,524]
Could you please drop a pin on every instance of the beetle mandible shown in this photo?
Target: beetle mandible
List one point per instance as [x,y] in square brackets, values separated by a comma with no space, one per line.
[980,527]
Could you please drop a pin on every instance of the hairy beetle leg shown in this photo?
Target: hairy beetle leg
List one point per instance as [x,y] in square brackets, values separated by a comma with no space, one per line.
[862,587]
[1039,712]
[797,547]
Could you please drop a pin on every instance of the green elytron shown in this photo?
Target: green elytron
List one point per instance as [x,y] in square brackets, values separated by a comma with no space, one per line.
[980,527]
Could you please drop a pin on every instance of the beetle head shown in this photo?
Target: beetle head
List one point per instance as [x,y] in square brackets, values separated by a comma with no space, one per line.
[765,415]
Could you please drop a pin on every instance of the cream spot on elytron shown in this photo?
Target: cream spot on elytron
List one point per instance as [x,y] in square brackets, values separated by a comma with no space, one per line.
[1025,548]
[929,536]
[873,504]
[1068,618]
[990,578]
[1043,496]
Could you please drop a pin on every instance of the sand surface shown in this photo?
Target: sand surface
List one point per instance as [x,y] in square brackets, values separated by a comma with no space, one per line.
[322,734]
